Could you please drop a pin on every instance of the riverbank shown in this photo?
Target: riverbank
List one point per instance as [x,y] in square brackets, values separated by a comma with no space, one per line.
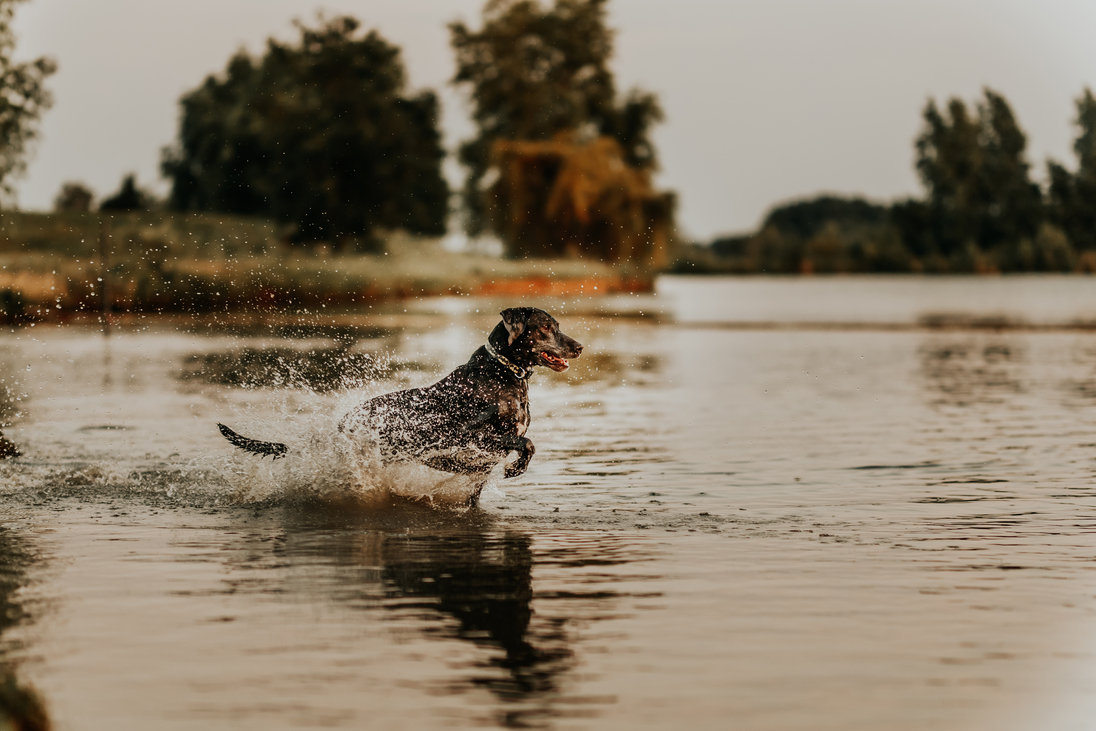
[64,266]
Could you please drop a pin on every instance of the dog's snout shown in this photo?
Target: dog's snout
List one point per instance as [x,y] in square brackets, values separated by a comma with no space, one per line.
[578,349]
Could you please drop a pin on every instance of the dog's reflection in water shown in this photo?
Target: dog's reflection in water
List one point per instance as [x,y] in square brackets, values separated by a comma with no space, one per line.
[460,566]
[485,582]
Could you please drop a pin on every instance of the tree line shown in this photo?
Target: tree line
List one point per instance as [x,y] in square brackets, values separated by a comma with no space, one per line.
[980,211]
[323,136]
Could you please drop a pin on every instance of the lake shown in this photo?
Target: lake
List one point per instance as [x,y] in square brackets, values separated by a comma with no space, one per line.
[756,503]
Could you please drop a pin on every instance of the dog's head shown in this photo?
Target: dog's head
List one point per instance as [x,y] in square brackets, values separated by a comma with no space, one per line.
[531,337]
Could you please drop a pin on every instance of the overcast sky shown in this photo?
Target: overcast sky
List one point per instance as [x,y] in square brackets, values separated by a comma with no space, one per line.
[766,100]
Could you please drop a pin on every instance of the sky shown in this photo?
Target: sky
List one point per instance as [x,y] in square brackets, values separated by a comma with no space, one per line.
[766,100]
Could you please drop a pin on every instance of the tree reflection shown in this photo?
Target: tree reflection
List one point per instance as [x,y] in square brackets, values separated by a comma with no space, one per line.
[1080,385]
[967,370]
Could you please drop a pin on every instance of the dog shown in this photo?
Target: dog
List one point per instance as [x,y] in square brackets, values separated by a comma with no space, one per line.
[471,420]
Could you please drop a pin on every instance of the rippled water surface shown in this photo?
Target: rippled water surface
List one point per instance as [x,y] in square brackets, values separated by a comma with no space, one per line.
[755,504]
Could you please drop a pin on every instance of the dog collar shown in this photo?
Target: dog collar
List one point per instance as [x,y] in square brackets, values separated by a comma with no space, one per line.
[515,369]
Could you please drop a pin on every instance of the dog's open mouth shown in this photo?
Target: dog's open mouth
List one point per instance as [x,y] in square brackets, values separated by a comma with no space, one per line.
[555,363]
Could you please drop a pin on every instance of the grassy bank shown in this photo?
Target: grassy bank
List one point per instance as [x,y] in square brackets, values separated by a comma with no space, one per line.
[50,268]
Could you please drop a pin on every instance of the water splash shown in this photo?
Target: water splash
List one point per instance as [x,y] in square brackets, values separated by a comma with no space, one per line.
[330,465]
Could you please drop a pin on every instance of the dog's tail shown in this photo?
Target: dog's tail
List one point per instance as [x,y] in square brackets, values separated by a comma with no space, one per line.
[254,446]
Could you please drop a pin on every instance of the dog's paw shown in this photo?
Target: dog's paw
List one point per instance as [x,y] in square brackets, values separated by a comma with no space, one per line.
[518,466]
[525,450]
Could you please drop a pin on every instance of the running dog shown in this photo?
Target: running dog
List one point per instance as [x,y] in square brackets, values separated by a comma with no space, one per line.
[469,421]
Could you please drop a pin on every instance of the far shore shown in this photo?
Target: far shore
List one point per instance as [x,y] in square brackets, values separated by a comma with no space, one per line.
[64,267]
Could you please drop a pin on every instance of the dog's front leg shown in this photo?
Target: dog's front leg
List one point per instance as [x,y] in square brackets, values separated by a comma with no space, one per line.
[506,443]
[525,450]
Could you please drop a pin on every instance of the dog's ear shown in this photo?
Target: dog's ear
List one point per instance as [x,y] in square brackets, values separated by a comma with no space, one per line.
[514,319]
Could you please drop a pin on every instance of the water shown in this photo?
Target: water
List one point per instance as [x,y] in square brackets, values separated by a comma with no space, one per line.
[755,504]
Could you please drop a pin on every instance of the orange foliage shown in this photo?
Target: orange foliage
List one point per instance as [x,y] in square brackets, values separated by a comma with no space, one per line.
[563,198]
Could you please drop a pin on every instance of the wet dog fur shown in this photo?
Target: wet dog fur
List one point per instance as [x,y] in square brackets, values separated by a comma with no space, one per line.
[472,419]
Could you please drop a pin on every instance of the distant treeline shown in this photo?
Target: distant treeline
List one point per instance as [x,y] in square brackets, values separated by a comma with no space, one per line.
[981,211]
[323,136]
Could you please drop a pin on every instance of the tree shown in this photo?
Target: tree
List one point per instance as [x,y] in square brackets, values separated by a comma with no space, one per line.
[806,218]
[23,99]
[1013,204]
[128,198]
[318,134]
[73,198]
[978,184]
[1072,196]
[534,73]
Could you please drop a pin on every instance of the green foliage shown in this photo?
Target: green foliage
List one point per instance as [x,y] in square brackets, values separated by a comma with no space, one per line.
[1072,196]
[75,235]
[534,72]
[73,197]
[824,234]
[23,99]
[193,263]
[834,235]
[977,180]
[809,217]
[128,198]
[318,135]
[981,211]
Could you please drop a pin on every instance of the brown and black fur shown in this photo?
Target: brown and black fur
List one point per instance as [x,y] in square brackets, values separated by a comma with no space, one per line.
[473,418]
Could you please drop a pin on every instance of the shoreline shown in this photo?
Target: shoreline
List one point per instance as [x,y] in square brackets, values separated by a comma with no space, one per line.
[72,290]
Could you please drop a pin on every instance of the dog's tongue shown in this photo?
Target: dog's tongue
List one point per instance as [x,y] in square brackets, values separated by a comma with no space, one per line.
[559,364]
